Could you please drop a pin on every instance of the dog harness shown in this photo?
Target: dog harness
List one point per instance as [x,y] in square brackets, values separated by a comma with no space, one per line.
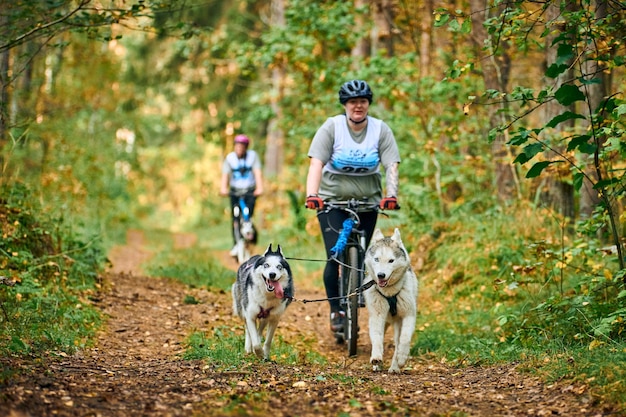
[393,302]
[263,314]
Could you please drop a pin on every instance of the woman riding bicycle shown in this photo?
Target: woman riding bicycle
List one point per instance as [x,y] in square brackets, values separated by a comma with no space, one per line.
[345,156]
[241,177]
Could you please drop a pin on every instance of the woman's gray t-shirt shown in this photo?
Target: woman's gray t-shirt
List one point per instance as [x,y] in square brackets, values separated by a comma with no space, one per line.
[338,186]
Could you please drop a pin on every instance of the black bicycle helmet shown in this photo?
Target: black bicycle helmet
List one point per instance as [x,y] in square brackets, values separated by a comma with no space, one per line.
[355,89]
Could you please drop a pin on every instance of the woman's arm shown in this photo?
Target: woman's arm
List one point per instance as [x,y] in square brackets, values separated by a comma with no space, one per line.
[314,177]
[391,174]
[258,178]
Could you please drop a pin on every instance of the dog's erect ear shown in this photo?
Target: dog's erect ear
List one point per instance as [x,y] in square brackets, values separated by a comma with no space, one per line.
[378,235]
[396,236]
[269,249]
[279,250]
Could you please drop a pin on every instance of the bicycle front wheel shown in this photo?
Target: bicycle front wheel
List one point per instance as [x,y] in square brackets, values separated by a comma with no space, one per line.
[352,313]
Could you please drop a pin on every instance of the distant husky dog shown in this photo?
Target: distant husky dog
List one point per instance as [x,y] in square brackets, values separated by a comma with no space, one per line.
[261,294]
[393,300]
[246,235]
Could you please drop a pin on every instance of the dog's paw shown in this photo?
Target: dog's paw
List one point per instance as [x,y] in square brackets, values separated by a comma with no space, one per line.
[394,368]
[258,351]
[377,364]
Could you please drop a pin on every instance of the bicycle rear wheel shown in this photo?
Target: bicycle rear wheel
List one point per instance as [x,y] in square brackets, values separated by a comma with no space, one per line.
[352,313]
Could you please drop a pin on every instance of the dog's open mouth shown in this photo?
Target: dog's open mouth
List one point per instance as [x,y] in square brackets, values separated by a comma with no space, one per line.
[274,286]
[383,282]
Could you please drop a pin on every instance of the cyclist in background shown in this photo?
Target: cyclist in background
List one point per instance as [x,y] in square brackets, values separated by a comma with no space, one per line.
[241,176]
[345,156]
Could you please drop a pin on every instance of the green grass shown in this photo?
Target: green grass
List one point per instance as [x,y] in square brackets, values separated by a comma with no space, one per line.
[191,267]
[224,350]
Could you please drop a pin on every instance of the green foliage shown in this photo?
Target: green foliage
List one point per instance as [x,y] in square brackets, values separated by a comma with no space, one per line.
[52,271]
[586,41]
[45,20]
[580,34]
[532,294]
[562,290]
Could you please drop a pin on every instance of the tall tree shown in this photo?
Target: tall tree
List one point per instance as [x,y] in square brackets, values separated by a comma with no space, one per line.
[4,91]
[382,33]
[559,192]
[4,84]
[425,45]
[275,136]
[363,43]
[495,64]
[598,86]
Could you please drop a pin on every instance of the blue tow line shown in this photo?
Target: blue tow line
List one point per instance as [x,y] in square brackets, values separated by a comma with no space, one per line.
[342,240]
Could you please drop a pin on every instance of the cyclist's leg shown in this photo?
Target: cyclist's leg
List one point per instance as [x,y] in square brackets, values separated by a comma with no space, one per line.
[250,201]
[368,224]
[331,224]
[234,202]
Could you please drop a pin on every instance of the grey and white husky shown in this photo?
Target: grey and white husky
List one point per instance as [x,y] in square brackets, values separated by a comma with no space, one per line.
[245,235]
[261,294]
[393,298]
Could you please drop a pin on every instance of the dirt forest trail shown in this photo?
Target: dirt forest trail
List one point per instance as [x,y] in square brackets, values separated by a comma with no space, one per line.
[136,369]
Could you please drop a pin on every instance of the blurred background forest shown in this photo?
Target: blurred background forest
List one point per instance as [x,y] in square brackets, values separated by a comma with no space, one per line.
[116,115]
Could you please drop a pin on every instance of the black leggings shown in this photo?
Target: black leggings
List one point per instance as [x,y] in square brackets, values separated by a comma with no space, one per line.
[331,223]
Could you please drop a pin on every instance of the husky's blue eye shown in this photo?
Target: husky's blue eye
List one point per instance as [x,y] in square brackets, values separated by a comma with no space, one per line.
[279,267]
[266,265]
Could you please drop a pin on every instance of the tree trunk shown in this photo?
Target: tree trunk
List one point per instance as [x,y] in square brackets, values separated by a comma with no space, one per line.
[383,15]
[592,69]
[559,193]
[275,137]
[363,45]
[4,90]
[495,75]
[426,27]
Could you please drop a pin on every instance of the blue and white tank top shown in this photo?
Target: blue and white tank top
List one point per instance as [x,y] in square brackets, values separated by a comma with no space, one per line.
[350,157]
[242,176]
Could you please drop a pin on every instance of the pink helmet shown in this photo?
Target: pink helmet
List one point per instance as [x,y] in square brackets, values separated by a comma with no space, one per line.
[242,139]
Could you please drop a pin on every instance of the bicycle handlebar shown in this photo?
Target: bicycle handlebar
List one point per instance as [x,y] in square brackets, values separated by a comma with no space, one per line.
[352,205]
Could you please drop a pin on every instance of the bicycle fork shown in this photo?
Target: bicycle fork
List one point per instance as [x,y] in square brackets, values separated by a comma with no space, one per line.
[343,280]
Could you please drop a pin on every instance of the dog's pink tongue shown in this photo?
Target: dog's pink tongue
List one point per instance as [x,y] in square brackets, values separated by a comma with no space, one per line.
[278,290]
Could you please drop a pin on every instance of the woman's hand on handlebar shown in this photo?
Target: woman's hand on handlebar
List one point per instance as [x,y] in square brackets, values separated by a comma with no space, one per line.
[313,202]
[389,203]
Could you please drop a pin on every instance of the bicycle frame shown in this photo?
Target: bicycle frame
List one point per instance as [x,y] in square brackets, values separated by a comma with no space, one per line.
[349,252]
